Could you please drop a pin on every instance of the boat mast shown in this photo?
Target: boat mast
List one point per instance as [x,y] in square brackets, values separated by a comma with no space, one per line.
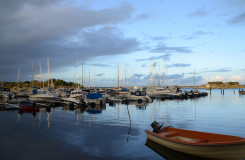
[82,76]
[167,75]
[48,71]
[194,79]
[93,77]
[125,77]
[118,75]
[40,74]
[77,84]
[154,74]
[165,72]
[49,74]
[159,75]
[89,78]
[18,79]
[1,84]
[32,75]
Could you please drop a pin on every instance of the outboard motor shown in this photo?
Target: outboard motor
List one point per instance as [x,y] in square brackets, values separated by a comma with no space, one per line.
[156,127]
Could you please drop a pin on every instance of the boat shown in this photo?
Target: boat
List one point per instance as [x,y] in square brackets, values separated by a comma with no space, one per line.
[76,93]
[63,92]
[241,92]
[43,95]
[95,99]
[139,96]
[200,144]
[28,106]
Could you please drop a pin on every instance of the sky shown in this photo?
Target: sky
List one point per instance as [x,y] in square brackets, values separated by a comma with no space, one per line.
[190,42]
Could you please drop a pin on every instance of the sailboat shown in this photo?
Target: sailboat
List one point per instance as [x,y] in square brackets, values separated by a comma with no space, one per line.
[44,94]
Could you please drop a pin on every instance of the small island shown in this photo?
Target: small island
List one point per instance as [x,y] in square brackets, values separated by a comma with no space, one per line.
[220,85]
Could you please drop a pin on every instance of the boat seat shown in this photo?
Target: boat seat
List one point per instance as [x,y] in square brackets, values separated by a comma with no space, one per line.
[199,140]
[169,133]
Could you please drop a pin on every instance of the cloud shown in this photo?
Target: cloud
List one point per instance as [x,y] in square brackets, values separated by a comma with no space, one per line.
[188,81]
[138,75]
[141,17]
[239,19]
[198,34]
[156,38]
[33,31]
[175,76]
[202,33]
[99,74]
[179,65]
[236,78]
[144,65]
[200,12]
[166,56]
[215,78]
[161,48]
[219,70]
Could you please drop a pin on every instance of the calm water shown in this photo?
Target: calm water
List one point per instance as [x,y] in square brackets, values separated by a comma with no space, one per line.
[115,132]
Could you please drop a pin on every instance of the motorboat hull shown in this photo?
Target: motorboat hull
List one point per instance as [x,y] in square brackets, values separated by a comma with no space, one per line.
[224,151]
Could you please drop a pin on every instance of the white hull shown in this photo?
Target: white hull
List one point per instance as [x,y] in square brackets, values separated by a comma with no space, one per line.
[41,99]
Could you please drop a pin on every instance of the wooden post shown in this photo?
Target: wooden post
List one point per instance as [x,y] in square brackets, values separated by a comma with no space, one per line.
[210,91]
[223,91]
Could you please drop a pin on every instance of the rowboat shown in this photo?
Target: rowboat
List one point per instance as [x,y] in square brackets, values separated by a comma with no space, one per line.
[200,144]
[170,154]
[28,106]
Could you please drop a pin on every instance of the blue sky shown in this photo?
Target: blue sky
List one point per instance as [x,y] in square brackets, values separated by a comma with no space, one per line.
[205,36]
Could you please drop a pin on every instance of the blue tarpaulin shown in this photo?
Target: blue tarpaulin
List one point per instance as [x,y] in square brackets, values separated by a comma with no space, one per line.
[124,89]
[94,96]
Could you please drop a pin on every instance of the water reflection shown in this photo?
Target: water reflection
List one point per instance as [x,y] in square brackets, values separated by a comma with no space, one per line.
[170,154]
[129,124]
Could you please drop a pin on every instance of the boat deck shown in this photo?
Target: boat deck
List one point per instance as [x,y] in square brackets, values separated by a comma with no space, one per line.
[175,136]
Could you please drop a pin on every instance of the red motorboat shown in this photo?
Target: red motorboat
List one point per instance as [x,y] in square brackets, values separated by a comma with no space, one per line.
[28,106]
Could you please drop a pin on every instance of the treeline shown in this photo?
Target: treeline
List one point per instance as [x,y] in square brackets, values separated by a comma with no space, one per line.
[220,83]
[26,84]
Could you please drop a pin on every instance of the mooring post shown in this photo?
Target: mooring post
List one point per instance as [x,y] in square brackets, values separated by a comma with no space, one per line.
[210,90]
[223,91]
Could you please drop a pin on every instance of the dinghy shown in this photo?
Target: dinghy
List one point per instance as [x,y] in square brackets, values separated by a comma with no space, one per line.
[200,144]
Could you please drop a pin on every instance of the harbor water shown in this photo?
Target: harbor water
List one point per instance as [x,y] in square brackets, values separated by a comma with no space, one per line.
[116,131]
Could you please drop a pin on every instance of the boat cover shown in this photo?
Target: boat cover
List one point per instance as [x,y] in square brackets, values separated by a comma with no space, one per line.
[94,96]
